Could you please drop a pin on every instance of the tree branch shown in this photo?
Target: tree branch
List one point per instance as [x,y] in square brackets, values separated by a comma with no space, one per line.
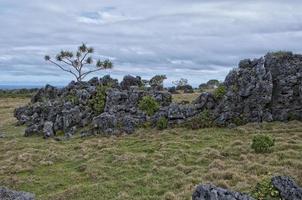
[62,68]
[89,72]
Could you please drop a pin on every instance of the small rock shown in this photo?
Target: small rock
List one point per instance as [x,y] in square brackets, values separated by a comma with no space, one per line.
[6,194]
[211,192]
[288,189]
[48,129]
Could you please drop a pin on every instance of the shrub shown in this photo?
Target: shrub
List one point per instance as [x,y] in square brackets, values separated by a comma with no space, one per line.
[162,123]
[265,190]
[203,120]
[262,143]
[149,105]
[219,92]
[97,103]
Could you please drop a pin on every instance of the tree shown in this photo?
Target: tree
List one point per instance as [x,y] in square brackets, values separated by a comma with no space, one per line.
[80,63]
[180,83]
[157,82]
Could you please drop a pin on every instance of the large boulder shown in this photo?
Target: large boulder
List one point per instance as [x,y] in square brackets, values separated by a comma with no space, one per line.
[264,89]
[7,194]
[286,71]
[211,192]
[288,189]
[105,124]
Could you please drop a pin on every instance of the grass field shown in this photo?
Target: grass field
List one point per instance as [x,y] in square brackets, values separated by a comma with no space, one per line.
[149,164]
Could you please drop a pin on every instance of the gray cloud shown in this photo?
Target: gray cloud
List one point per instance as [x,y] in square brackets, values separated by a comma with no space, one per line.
[198,40]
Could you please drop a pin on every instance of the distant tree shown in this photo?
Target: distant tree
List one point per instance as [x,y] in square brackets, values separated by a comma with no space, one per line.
[80,63]
[157,82]
[213,82]
[180,83]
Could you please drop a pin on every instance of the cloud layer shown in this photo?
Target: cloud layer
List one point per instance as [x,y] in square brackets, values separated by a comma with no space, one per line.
[193,39]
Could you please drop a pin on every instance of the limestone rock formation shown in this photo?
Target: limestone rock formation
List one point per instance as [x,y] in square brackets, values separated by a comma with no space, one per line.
[6,194]
[54,110]
[265,89]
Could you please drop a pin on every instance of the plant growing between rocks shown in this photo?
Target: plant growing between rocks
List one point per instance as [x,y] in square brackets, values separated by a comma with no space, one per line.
[219,92]
[265,190]
[262,143]
[149,105]
[203,120]
[97,103]
[162,123]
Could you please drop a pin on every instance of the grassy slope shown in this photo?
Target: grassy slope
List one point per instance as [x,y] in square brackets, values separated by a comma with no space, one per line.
[147,165]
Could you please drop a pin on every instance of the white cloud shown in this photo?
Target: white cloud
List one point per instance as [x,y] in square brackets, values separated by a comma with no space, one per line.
[197,40]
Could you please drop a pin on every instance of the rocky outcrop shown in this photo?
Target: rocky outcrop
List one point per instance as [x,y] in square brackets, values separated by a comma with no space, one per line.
[288,189]
[211,192]
[6,194]
[264,89]
[54,110]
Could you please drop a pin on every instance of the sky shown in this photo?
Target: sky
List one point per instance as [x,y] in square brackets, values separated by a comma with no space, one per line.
[194,39]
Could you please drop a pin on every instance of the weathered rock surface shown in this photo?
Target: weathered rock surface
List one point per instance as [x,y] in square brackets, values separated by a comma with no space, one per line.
[211,192]
[288,189]
[264,89]
[6,194]
[54,110]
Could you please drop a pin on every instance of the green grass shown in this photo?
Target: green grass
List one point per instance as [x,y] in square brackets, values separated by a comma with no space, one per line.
[149,164]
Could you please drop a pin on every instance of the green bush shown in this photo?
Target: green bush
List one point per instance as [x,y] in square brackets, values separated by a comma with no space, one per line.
[219,92]
[203,120]
[149,105]
[262,143]
[97,103]
[162,123]
[265,190]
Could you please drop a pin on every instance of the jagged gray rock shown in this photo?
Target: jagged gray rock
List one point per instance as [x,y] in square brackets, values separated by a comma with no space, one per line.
[287,187]
[48,129]
[264,89]
[105,123]
[211,192]
[7,194]
[248,94]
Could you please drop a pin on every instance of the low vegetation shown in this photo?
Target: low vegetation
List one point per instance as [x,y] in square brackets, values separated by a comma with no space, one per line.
[219,92]
[149,164]
[203,120]
[97,103]
[265,190]
[20,93]
[162,123]
[149,105]
[262,143]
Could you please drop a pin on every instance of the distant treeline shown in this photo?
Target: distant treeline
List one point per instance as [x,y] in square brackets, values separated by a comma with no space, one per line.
[14,93]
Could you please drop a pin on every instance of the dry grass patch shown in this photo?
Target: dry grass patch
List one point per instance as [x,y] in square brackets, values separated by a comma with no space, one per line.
[185,97]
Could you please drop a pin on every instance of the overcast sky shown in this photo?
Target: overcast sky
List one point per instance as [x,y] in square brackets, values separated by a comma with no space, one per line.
[194,39]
